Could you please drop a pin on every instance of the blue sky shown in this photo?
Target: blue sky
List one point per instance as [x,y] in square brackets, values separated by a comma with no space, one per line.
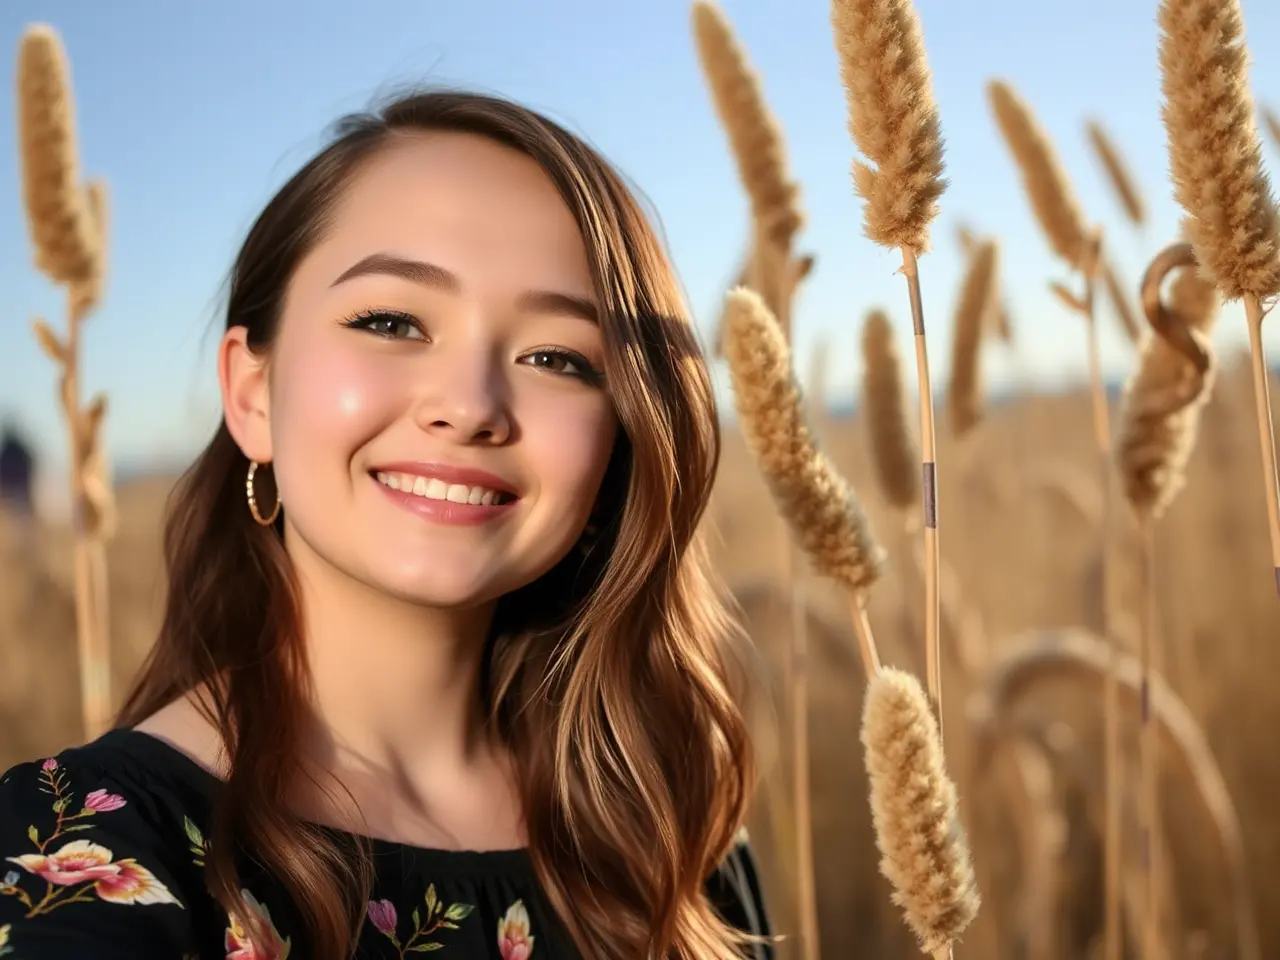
[196,113]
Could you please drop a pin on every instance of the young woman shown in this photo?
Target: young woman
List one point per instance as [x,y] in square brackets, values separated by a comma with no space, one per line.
[443,667]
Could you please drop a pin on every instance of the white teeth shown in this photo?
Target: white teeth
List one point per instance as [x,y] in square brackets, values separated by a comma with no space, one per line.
[435,489]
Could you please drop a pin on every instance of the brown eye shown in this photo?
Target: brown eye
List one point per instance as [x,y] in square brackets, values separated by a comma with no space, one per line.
[565,363]
[390,324]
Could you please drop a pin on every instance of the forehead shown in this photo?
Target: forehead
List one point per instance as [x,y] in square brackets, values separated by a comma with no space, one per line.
[466,203]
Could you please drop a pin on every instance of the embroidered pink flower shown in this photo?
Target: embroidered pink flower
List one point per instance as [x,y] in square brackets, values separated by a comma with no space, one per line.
[77,862]
[238,945]
[50,764]
[133,884]
[515,942]
[382,914]
[102,802]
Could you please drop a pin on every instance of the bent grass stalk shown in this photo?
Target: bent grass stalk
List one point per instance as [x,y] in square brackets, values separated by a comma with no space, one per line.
[1158,420]
[1078,656]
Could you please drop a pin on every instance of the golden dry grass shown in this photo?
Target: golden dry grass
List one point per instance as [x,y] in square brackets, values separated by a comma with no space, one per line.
[1025,563]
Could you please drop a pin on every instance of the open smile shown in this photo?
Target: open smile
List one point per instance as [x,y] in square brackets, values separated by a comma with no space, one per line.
[451,495]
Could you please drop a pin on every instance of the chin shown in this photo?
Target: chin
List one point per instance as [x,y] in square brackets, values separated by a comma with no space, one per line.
[445,589]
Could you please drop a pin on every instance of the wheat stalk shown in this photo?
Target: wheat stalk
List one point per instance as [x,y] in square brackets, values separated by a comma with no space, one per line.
[818,506]
[1215,159]
[68,226]
[827,519]
[821,509]
[1062,221]
[1117,173]
[756,141]
[759,151]
[893,121]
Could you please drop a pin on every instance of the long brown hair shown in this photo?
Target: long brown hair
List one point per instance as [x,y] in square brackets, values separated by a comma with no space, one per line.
[623,655]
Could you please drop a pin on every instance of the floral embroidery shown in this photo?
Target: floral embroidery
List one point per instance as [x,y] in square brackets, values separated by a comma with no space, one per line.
[240,946]
[515,942]
[5,949]
[382,914]
[199,849]
[79,870]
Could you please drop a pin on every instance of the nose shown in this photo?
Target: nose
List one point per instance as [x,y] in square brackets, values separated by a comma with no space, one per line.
[465,399]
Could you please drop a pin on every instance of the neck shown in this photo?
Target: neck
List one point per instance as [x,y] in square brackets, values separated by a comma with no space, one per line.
[395,687]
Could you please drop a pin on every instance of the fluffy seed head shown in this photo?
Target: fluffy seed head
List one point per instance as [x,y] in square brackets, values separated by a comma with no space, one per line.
[86,293]
[923,848]
[1120,301]
[1215,155]
[979,300]
[893,118]
[822,510]
[57,214]
[1117,173]
[1043,178]
[894,450]
[755,136]
[1001,323]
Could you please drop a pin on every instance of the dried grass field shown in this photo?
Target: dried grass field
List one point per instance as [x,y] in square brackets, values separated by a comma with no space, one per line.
[1020,502]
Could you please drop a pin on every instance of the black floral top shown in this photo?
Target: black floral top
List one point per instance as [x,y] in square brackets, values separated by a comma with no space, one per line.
[101,850]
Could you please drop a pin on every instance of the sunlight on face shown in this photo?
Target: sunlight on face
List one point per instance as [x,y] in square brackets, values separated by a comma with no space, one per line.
[439,346]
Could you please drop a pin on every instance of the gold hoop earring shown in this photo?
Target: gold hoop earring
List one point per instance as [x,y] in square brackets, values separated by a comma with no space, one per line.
[253,500]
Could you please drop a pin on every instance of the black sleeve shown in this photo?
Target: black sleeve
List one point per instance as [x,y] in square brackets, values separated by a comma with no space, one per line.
[83,872]
[734,890]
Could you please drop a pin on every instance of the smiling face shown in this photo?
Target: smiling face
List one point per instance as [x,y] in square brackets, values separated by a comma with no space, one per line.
[438,345]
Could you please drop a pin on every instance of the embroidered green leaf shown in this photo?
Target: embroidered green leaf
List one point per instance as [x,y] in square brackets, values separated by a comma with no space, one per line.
[458,911]
[78,826]
[425,947]
[33,834]
[416,921]
[59,805]
[431,899]
[448,925]
[193,833]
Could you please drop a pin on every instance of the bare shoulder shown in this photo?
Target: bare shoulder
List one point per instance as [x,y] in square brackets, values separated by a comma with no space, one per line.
[183,726]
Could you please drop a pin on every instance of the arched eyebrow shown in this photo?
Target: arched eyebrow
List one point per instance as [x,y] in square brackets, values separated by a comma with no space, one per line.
[438,278]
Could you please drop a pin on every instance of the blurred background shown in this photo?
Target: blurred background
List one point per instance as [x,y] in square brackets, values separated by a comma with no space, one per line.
[195,114]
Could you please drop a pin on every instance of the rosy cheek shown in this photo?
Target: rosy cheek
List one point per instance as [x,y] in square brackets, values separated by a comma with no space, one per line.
[332,395]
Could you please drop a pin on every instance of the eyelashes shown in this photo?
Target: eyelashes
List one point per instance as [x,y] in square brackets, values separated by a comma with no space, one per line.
[371,320]
[397,325]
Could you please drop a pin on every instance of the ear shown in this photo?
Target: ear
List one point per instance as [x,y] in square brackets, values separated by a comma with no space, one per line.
[242,376]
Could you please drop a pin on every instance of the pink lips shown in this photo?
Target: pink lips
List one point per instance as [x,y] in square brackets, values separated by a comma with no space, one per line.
[446,511]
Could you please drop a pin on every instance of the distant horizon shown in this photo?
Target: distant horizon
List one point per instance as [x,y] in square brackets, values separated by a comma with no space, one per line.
[52,480]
